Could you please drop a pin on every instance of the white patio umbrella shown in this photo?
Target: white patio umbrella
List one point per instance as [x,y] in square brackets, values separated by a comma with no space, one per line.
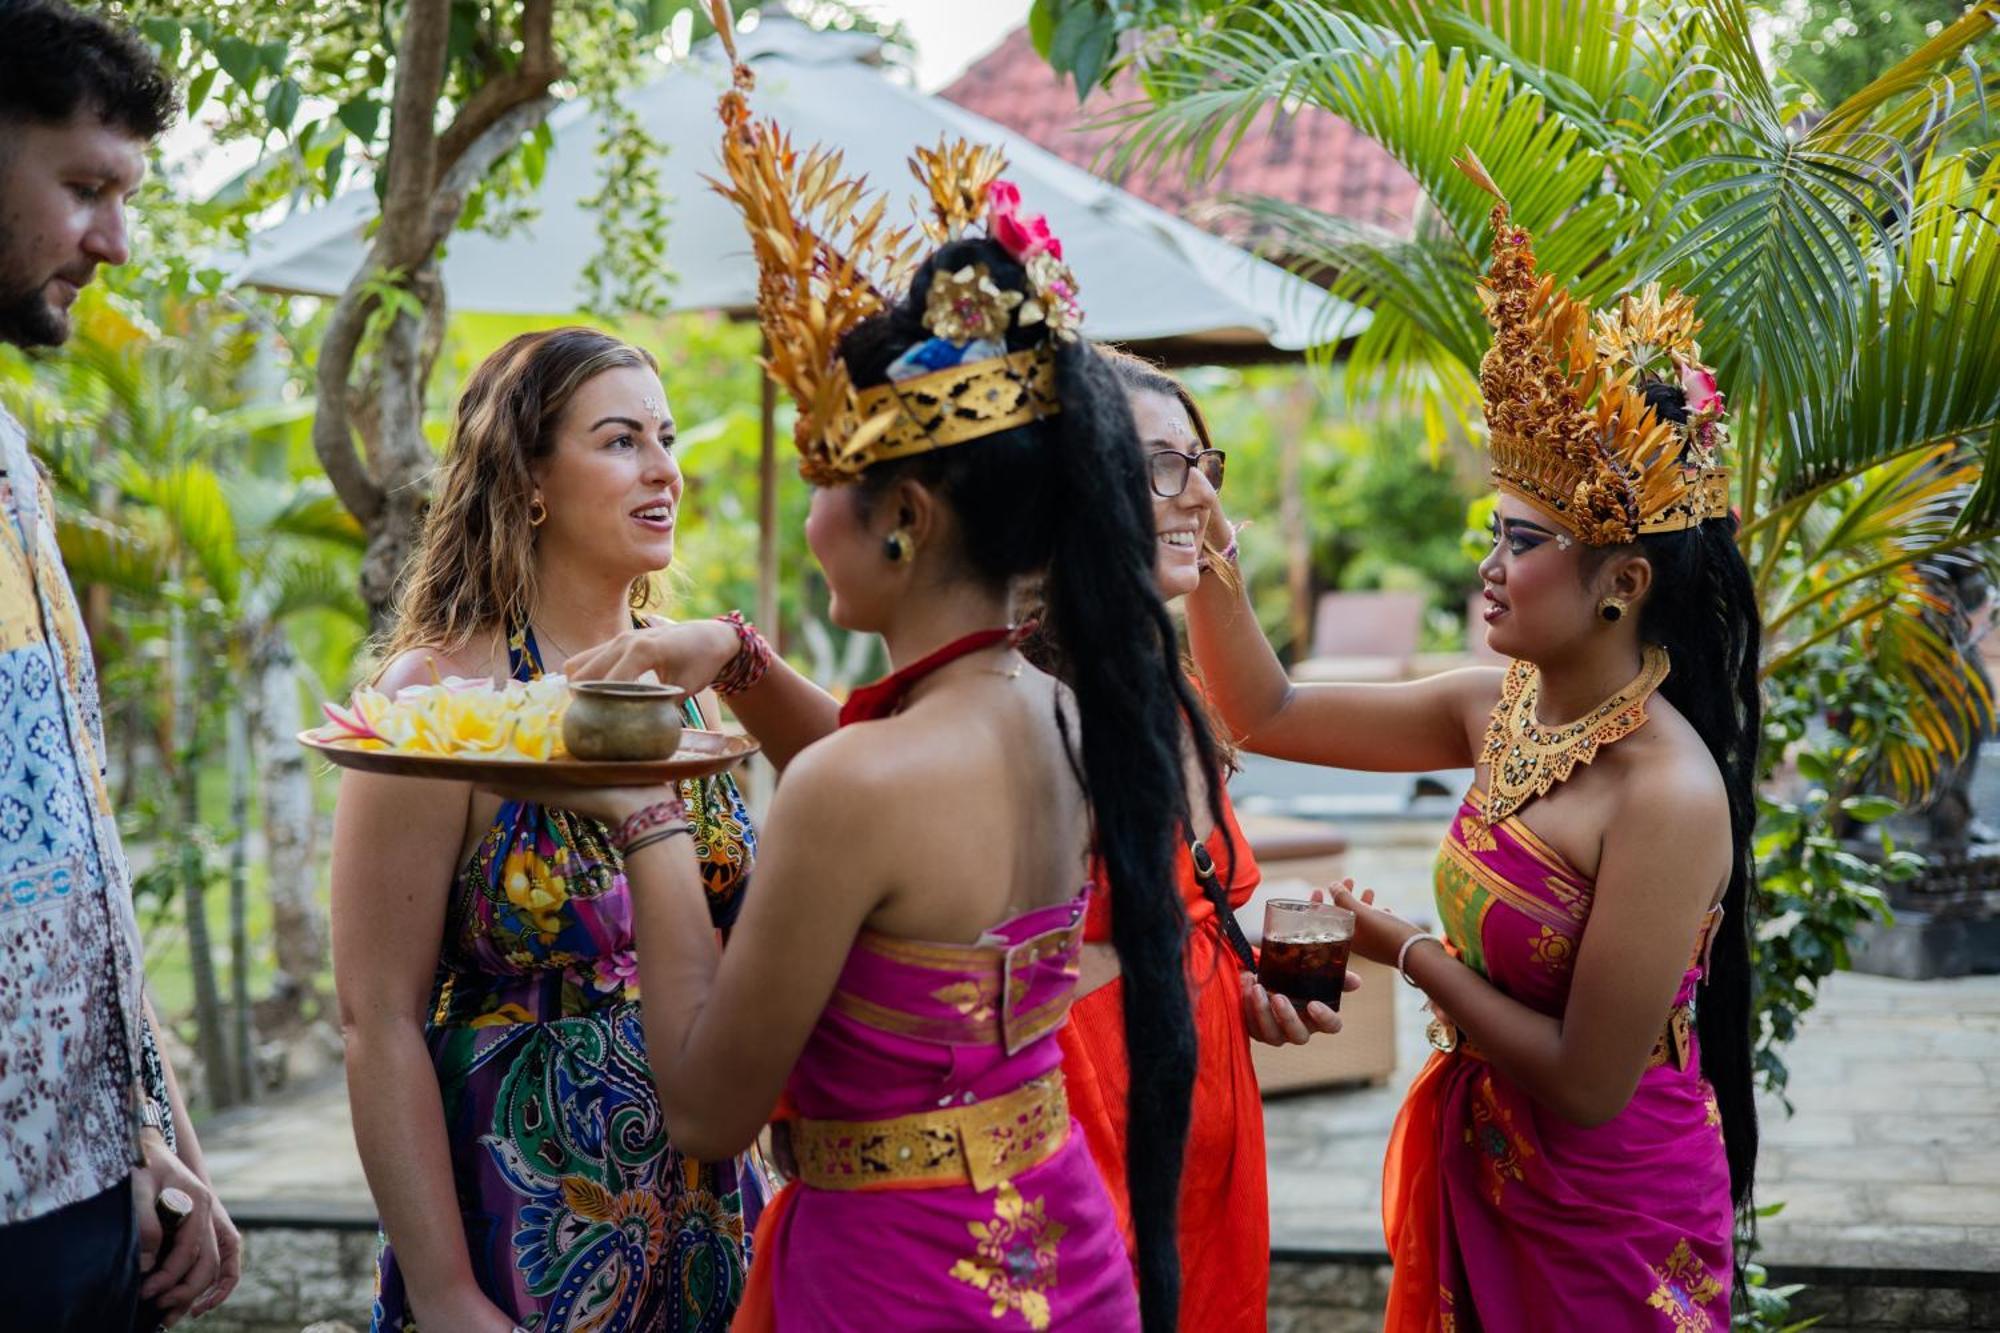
[1147,276]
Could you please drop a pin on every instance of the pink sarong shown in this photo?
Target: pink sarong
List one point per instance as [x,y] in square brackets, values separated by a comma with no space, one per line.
[1501,1215]
[914,1028]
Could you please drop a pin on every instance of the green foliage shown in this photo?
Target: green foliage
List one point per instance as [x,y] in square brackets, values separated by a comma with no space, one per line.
[630,270]
[1847,266]
[1379,509]
[1866,708]
[1834,47]
[1813,888]
[184,489]
[309,87]
[1761,1307]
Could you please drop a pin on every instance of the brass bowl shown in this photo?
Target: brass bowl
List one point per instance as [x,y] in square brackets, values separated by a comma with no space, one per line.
[622,719]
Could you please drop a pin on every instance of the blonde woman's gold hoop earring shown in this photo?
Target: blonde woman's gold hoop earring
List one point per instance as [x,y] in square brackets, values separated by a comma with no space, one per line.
[538,512]
[1611,609]
[898,547]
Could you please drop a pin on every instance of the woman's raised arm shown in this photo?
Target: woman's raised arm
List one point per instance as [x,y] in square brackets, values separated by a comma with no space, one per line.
[1402,728]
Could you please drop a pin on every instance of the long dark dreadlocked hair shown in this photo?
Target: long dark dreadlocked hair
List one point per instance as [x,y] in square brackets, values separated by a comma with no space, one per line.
[1703,610]
[1065,498]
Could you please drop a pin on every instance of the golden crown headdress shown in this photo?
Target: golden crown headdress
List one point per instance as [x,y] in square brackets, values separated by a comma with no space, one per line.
[826,260]
[1569,427]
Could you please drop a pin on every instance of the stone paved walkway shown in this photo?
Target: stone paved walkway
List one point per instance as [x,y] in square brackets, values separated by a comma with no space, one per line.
[1892,1160]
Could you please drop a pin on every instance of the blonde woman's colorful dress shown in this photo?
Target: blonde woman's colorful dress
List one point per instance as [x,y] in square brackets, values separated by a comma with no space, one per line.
[578,1212]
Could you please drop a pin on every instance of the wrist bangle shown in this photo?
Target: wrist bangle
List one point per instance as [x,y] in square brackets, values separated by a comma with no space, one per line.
[752,660]
[645,840]
[1403,954]
[644,820]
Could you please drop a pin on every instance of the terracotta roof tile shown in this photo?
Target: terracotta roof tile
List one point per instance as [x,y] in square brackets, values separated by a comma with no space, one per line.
[1304,157]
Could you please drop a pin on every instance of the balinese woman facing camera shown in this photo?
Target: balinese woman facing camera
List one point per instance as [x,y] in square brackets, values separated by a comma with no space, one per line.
[1574,1155]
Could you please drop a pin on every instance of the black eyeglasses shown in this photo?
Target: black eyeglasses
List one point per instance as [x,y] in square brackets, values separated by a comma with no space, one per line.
[1169,469]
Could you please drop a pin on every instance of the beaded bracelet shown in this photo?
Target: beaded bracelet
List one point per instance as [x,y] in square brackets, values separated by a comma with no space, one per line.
[1230,551]
[1228,554]
[752,660]
[659,814]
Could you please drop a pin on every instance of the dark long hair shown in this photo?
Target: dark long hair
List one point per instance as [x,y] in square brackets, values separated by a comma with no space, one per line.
[1065,497]
[1703,610]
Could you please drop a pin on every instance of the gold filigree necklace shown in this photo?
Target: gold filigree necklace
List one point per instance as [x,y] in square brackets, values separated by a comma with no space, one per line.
[1524,758]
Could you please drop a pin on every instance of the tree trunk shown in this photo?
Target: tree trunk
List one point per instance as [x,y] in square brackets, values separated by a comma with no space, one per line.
[298,931]
[425,183]
[211,1039]
[242,1069]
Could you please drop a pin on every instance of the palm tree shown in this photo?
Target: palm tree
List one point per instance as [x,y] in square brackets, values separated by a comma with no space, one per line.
[1846,262]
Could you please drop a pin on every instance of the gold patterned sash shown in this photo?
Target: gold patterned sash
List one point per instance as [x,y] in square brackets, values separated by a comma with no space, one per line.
[1669,1048]
[985,1143]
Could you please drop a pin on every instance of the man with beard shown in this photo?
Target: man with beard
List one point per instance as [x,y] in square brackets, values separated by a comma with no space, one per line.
[90,1161]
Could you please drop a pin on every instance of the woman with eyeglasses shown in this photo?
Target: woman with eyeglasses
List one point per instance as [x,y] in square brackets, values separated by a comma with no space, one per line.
[1225,1219]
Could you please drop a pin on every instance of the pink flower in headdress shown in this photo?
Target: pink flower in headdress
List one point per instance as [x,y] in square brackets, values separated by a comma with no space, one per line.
[1021,237]
[1703,398]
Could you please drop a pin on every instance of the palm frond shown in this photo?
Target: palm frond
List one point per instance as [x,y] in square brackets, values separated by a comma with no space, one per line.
[190,497]
[314,511]
[1914,80]
[98,552]
[1948,707]
[1423,104]
[1589,59]
[302,582]
[1904,512]
[1925,370]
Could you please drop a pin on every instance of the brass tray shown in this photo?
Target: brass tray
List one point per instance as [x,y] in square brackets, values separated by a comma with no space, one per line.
[701,754]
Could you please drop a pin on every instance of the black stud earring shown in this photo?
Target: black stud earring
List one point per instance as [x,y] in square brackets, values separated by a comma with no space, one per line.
[897,547]
[1611,609]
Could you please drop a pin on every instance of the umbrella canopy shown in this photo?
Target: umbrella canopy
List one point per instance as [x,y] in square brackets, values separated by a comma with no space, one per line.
[1147,276]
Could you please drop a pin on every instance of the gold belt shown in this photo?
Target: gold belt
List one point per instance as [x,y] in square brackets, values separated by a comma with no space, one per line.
[984,1143]
[1670,1048]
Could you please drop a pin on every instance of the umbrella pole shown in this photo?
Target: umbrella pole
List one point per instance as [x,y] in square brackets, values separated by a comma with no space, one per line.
[767,508]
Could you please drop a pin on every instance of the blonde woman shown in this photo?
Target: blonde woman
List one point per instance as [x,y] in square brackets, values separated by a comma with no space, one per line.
[503,1103]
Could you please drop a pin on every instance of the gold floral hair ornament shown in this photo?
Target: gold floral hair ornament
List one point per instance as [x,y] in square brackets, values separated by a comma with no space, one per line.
[1569,427]
[826,261]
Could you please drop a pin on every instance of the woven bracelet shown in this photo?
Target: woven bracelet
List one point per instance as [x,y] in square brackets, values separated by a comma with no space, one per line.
[752,660]
[644,820]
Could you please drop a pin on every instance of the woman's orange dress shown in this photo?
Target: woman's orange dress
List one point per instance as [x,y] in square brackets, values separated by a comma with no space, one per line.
[1225,1232]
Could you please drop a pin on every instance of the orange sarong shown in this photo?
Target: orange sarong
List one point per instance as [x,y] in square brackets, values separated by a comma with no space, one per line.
[1225,1215]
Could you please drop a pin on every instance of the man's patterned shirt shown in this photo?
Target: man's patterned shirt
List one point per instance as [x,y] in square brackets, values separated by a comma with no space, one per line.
[69,944]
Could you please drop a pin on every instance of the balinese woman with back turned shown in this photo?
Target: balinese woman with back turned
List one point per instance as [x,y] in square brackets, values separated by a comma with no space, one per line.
[1224,1213]
[504,1106]
[912,946]
[1575,1154]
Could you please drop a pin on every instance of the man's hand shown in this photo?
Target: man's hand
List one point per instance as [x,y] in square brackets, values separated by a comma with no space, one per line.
[193,1275]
